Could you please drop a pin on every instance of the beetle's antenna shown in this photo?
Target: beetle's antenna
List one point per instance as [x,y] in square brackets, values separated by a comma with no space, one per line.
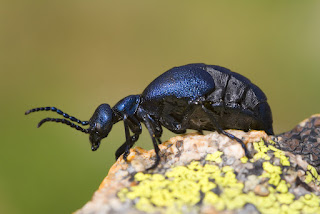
[64,121]
[54,109]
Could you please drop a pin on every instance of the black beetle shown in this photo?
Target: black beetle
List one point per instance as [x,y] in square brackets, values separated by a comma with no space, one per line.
[194,96]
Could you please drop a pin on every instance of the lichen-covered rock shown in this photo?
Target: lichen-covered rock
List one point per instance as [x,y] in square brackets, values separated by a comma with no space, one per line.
[210,174]
[303,140]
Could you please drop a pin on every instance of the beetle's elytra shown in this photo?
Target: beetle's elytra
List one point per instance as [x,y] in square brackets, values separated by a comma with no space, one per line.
[194,96]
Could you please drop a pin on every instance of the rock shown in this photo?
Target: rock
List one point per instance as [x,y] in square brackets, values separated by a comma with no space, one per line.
[210,174]
[303,140]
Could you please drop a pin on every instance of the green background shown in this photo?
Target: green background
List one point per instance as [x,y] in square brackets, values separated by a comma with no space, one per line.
[76,55]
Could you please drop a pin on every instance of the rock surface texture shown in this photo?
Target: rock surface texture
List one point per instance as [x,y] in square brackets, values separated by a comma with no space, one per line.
[303,140]
[210,174]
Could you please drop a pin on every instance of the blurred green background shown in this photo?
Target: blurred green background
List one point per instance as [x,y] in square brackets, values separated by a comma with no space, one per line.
[76,55]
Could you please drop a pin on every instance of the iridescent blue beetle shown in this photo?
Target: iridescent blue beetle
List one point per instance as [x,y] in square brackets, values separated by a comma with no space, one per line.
[195,96]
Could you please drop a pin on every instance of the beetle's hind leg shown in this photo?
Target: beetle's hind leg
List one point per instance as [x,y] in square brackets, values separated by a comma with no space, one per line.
[220,130]
[200,132]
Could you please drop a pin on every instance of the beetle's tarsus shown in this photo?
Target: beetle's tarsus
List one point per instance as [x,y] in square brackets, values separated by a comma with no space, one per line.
[156,163]
[243,145]
[123,148]
[125,155]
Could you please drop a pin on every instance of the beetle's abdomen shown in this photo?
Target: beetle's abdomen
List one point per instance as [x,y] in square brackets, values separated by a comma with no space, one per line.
[189,81]
[233,90]
[235,93]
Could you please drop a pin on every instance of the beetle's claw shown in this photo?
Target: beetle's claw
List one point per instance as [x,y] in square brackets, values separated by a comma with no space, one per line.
[248,154]
[156,163]
[125,155]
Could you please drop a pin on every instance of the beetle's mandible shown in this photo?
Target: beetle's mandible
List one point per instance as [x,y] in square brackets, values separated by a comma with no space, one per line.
[194,96]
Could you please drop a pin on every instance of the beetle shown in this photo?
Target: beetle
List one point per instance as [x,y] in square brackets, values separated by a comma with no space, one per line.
[194,96]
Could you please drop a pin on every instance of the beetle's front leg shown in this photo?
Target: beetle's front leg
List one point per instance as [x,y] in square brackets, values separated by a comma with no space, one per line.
[125,147]
[128,138]
[129,124]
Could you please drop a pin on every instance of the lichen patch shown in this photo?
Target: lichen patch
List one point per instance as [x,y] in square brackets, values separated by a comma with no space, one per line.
[213,183]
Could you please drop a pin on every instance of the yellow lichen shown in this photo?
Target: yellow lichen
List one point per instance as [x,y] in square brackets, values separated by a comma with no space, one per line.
[272,142]
[284,161]
[215,157]
[282,187]
[312,175]
[183,187]
[296,205]
[141,176]
[273,148]
[311,200]
[308,178]
[285,198]
[262,150]
[211,198]
[269,168]
[272,172]
[244,159]
[261,155]
[144,204]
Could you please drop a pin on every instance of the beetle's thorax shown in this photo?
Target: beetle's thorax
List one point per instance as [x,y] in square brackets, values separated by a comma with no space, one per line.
[127,106]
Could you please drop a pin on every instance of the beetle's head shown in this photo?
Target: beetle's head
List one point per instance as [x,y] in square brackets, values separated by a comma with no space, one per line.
[100,125]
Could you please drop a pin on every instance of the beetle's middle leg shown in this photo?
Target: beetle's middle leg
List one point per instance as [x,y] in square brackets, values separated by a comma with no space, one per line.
[155,132]
[188,115]
[155,141]
[172,124]
[220,130]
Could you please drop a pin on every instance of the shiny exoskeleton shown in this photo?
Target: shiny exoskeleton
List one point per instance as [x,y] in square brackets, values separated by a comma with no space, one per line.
[194,96]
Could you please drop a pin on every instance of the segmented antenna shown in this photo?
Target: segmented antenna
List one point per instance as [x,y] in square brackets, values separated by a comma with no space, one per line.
[54,109]
[64,121]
